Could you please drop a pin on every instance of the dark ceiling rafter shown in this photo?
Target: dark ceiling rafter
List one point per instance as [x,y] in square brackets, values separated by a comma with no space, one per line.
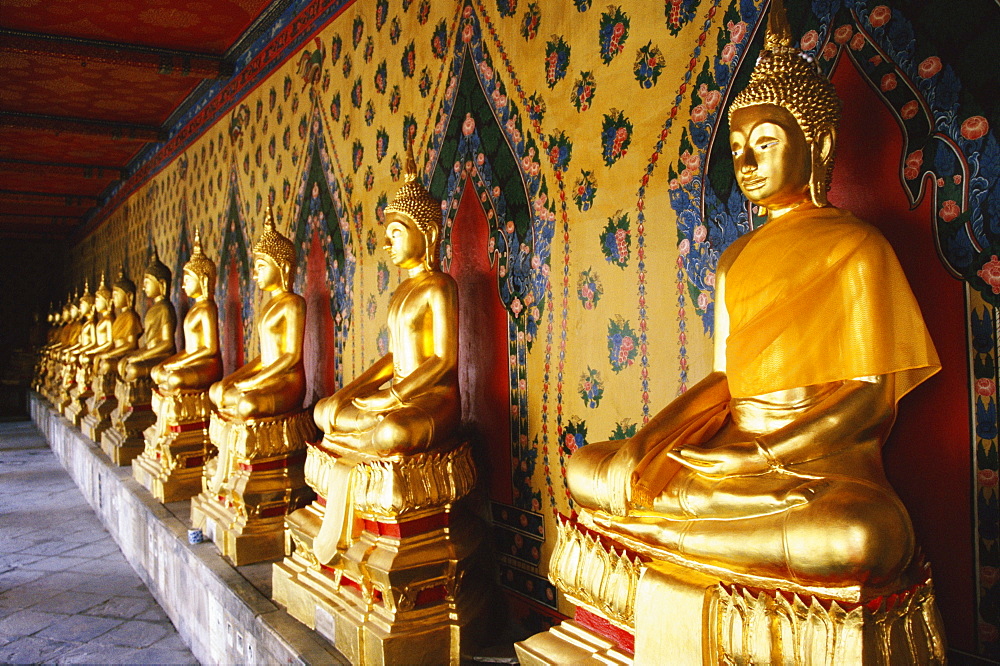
[63,148]
[60,124]
[163,61]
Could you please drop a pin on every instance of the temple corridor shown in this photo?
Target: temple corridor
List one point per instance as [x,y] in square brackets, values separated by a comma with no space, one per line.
[67,594]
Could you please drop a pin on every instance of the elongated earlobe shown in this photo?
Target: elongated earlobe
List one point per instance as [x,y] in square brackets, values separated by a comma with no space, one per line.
[821,155]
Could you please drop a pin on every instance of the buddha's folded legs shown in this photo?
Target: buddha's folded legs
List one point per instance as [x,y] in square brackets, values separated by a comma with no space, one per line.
[196,375]
[849,533]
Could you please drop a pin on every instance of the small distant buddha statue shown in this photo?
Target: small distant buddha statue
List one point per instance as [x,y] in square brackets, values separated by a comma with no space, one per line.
[258,424]
[159,324]
[71,355]
[768,472]
[103,319]
[200,364]
[134,390]
[178,444]
[392,462]
[126,327]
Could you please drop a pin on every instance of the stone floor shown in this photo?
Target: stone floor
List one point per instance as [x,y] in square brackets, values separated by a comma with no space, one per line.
[67,595]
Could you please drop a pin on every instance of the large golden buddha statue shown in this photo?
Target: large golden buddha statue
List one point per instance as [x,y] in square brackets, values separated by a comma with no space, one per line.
[134,390]
[177,445]
[126,328]
[767,474]
[103,319]
[258,425]
[388,471]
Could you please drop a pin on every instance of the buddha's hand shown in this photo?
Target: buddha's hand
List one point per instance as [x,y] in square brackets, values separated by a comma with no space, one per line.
[736,459]
[379,401]
[245,385]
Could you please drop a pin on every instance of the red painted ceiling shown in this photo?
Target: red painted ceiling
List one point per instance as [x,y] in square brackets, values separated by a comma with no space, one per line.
[86,84]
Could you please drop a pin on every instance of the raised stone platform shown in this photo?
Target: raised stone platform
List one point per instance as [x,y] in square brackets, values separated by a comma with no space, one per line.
[223,613]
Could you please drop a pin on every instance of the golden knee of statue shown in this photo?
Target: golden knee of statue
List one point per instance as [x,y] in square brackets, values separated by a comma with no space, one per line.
[764,481]
[258,425]
[388,474]
[177,444]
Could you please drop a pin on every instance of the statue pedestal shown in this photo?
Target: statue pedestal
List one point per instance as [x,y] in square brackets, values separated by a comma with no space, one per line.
[254,482]
[79,396]
[411,586]
[123,440]
[99,406]
[701,614]
[65,385]
[177,445]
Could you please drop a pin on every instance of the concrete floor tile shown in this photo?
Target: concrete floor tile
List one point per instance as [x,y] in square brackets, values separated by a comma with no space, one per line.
[49,548]
[14,577]
[30,650]
[136,634]
[125,608]
[70,602]
[79,628]
[56,563]
[94,653]
[154,614]
[161,656]
[94,549]
[26,595]
[27,622]
[114,586]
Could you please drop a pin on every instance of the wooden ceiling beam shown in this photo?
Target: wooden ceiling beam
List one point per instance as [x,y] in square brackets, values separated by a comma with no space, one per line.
[47,198]
[60,124]
[163,61]
[52,170]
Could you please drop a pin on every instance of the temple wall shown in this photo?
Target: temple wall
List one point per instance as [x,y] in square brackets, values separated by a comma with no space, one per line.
[580,151]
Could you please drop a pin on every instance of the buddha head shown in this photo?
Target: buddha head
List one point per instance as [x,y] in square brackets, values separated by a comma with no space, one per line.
[102,297]
[156,280]
[199,272]
[274,257]
[413,223]
[123,291]
[86,300]
[783,125]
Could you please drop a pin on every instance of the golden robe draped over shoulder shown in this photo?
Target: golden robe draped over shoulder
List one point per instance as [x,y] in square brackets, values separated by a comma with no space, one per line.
[813,297]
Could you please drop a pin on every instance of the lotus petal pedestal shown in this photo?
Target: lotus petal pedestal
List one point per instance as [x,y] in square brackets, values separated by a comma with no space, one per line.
[100,405]
[177,446]
[632,601]
[255,481]
[412,587]
[123,441]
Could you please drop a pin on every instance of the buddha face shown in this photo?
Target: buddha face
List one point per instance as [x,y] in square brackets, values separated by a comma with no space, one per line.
[406,246]
[152,287]
[119,298]
[85,307]
[771,156]
[191,284]
[101,303]
[266,273]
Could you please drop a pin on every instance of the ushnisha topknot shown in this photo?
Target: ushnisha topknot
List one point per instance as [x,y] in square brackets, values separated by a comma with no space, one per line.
[786,77]
[158,269]
[123,282]
[415,202]
[273,245]
[199,264]
[102,289]
[86,295]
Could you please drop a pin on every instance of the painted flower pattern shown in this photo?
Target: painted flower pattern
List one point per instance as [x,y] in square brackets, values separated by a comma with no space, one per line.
[382,277]
[616,242]
[649,64]
[616,136]
[584,89]
[589,289]
[556,61]
[613,33]
[574,436]
[622,347]
[591,388]
[530,22]
[585,190]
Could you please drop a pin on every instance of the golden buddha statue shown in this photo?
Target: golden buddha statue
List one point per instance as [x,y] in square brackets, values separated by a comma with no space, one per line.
[274,382]
[103,319]
[126,327]
[767,474]
[123,441]
[392,461]
[258,424]
[177,445]
[85,339]
[159,324]
[200,364]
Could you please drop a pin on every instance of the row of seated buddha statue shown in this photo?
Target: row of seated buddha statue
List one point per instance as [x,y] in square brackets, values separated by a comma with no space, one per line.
[361,494]
[750,521]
